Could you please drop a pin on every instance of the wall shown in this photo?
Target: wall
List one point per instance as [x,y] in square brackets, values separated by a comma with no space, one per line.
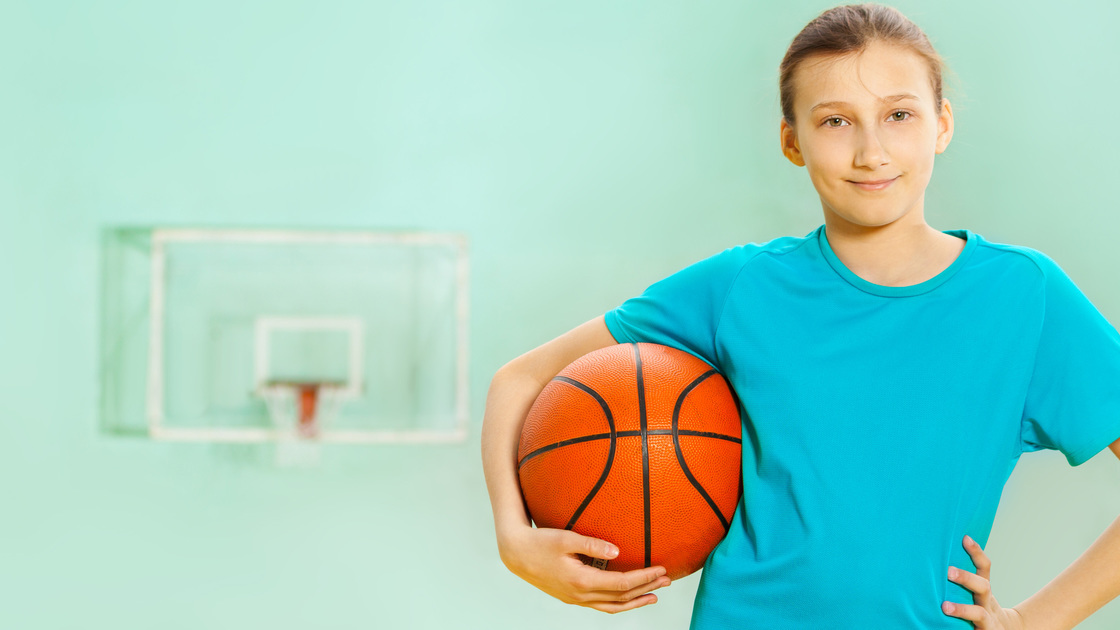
[586,148]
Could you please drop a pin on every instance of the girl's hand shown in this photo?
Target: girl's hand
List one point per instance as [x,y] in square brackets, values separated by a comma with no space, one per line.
[986,613]
[550,559]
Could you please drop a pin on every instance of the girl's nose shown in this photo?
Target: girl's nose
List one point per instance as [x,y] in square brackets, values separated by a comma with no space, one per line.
[871,153]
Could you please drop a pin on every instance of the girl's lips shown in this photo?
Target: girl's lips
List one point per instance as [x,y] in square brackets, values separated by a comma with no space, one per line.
[874,185]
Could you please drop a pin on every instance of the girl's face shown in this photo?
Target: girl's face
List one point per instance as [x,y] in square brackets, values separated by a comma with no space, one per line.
[867,131]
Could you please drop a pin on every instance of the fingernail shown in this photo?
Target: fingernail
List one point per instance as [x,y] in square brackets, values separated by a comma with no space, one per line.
[952,573]
[947,607]
[612,551]
[968,540]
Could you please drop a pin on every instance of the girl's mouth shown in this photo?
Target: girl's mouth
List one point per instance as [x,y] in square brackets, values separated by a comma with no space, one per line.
[879,184]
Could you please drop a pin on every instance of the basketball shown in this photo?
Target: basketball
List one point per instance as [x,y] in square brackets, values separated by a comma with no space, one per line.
[639,445]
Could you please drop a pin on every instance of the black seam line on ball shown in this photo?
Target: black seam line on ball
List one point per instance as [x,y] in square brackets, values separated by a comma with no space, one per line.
[610,452]
[622,434]
[680,453]
[645,449]
[688,432]
[551,447]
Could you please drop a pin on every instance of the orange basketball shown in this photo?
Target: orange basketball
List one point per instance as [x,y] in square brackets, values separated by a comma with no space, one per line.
[639,445]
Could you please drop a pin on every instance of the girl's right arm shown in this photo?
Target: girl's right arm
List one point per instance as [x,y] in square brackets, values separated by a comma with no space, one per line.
[548,558]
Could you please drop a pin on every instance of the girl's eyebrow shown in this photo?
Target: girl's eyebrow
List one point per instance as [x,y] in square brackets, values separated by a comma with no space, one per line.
[885,99]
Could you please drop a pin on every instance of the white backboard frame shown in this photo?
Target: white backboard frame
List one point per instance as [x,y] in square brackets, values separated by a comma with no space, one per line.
[155,394]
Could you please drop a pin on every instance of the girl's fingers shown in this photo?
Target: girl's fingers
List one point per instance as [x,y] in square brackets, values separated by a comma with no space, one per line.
[976,614]
[590,580]
[633,593]
[979,558]
[610,607]
[981,587]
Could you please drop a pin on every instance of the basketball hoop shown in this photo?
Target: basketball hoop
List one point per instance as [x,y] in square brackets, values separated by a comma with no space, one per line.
[299,410]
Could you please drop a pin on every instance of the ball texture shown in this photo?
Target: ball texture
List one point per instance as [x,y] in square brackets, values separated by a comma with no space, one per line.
[639,445]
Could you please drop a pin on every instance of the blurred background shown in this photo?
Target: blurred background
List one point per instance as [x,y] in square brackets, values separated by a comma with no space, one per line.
[586,149]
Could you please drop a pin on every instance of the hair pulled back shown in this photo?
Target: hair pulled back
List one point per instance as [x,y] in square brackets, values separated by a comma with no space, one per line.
[850,29]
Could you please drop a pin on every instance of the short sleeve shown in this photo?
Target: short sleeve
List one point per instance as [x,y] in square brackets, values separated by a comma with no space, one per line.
[683,310]
[1073,401]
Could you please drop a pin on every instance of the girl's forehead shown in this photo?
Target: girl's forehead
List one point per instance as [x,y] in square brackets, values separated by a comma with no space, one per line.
[880,70]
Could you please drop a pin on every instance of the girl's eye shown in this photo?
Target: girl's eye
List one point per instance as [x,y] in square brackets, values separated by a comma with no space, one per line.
[900,116]
[835,121]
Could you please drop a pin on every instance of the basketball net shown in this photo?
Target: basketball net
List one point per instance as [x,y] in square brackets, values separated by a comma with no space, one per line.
[298,411]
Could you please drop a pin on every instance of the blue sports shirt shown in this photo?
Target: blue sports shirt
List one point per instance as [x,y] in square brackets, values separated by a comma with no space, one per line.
[879,423]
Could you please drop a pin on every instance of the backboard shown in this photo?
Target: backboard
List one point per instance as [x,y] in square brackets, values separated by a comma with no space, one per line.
[198,324]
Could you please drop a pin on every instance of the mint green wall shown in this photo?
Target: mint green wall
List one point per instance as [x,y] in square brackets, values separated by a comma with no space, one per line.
[587,149]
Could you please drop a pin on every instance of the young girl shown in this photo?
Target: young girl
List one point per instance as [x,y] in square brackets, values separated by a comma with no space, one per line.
[890,376]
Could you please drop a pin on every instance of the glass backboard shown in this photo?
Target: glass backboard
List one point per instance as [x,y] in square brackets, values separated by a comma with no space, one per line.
[198,323]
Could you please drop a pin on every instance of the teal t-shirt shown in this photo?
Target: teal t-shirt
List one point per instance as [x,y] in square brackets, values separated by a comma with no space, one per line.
[879,423]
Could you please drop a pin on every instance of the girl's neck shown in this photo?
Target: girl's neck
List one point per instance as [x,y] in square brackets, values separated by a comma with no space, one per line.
[895,255]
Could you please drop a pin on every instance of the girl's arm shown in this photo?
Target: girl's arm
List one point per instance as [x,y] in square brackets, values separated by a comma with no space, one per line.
[1089,583]
[547,558]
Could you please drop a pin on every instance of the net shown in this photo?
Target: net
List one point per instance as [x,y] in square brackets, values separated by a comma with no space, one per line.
[299,411]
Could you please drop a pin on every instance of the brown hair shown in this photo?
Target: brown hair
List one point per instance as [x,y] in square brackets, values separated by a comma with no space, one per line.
[849,29]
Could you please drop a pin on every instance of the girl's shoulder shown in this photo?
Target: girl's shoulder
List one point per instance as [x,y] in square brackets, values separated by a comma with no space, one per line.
[780,246]
[1029,258]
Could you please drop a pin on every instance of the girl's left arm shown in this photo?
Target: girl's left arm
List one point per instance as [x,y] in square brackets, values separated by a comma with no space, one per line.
[1084,587]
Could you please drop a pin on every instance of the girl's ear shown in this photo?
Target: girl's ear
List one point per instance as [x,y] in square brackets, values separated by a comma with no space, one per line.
[791,148]
[944,126]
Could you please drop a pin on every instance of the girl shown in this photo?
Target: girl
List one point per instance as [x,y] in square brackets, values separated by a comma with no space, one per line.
[890,376]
